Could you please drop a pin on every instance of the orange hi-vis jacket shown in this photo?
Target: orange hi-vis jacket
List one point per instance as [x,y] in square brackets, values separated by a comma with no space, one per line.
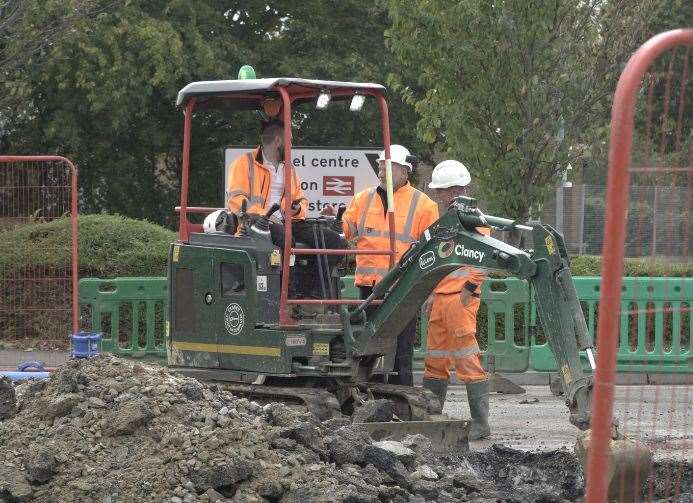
[365,220]
[465,277]
[250,179]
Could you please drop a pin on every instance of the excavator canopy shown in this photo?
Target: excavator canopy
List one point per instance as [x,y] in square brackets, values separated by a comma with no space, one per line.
[247,94]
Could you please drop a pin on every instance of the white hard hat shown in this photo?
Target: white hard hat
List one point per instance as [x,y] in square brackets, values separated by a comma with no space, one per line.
[398,154]
[450,173]
[214,222]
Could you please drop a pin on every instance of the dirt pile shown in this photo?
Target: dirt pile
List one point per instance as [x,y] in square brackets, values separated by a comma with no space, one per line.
[108,430]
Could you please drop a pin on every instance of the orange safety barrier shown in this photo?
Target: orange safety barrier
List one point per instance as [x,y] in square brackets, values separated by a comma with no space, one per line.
[651,144]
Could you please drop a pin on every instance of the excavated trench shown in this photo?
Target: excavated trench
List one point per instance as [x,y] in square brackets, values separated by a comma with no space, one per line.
[109,430]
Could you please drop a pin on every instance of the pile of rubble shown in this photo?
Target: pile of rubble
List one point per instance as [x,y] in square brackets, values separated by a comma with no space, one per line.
[108,430]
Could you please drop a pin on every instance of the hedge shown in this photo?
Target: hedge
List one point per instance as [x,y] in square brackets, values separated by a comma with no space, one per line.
[109,246]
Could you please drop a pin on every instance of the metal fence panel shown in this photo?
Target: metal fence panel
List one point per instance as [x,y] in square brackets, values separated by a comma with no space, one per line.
[38,283]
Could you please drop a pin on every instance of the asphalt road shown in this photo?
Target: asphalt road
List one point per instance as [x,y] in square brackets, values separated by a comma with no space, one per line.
[658,415]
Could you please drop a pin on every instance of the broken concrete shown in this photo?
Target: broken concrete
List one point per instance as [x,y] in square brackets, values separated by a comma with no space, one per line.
[8,400]
[40,465]
[107,430]
[374,411]
[13,485]
[402,453]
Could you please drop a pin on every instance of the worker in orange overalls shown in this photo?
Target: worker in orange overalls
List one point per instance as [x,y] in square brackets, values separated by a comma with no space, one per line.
[365,221]
[451,311]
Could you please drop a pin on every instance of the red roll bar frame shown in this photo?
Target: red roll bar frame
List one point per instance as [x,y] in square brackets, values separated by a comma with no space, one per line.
[186,227]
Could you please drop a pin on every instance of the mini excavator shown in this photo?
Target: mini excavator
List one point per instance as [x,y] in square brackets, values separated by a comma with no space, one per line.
[232,322]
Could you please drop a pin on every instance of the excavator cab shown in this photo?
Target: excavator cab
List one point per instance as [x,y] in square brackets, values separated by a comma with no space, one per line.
[239,305]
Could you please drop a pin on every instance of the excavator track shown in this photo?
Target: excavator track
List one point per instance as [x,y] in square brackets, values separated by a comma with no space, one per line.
[417,411]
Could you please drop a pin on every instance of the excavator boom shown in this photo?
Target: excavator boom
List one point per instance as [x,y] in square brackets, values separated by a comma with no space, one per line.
[453,241]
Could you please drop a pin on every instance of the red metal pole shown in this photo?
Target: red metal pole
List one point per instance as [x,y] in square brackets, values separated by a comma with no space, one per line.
[327,251]
[183,231]
[348,302]
[386,146]
[197,209]
[621,139]
[74,224]
[284,317]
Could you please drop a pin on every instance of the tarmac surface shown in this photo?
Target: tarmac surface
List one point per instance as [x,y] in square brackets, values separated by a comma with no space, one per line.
[660,416]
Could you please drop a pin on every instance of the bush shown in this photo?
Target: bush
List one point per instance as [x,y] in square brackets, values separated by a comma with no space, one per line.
[109,246]
[591,265]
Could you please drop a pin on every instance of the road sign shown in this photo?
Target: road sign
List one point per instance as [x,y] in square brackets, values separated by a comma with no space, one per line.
[329,176]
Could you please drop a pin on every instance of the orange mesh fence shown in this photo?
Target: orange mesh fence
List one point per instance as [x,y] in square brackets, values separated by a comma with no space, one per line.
[38,273]
[648,215]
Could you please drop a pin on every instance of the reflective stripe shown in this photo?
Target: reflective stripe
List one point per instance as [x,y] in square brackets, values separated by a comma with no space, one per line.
[409,223]
[382,271]
[251,174]
[459,273]
[441,353]
[352,228]
[362,222]
[235,193]
[255,200]
[373,233]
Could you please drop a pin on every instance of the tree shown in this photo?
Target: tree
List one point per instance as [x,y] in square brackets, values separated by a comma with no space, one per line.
[103,91]
[516,89]
[27,32]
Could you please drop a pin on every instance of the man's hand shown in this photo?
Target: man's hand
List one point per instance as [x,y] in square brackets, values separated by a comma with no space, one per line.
[466,297]
[469,291]
[327,210]
[296,207]
[428,305]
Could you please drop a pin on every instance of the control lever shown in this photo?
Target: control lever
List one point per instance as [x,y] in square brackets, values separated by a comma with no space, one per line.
[296,205]
[243,218]
[262,225]
[337,224]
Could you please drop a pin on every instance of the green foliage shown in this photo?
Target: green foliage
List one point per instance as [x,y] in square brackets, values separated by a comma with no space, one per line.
[513,89]
[109,246]
[103,91]
[591,265]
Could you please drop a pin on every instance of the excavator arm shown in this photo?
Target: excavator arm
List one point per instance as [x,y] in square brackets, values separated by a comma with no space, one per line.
[452,242]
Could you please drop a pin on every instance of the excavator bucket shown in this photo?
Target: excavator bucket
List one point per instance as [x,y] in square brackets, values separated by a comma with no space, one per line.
[446,435]
[629,462]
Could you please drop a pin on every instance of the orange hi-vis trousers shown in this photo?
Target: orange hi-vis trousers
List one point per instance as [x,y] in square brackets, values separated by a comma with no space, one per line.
[451,339]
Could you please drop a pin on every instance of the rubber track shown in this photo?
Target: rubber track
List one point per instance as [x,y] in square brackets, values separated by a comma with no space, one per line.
[321,403]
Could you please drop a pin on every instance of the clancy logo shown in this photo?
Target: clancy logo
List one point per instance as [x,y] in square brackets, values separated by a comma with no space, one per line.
[427,260]
[461,251]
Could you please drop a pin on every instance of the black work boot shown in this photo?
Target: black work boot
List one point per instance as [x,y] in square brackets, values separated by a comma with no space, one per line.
[477,395]
[439,387]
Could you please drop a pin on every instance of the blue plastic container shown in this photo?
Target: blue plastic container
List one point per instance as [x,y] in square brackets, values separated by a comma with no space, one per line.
[86,344]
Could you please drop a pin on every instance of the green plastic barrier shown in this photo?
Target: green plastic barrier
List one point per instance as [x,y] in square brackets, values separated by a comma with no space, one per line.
[130,312]
[655,327]
[656,330]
